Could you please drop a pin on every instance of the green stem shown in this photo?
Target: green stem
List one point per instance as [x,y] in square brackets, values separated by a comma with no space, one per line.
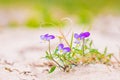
[49,48]
[83,46]
[52,56]
[61,60]
[68,60]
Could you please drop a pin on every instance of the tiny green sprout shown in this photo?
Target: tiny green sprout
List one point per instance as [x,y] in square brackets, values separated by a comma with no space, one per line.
[79,51]
[52,69]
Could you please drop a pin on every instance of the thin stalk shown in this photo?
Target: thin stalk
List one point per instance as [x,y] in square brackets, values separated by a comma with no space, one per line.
[83,46]
[61,60]
[71,42]
[116,59]
[69,60]
[49,48]
[52,56]
[64,38]
[60,39]
[58,64]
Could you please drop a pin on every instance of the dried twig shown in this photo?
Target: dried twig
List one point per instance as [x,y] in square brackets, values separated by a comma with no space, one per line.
[8,69]
[64,37]
[6,62]
[116,59]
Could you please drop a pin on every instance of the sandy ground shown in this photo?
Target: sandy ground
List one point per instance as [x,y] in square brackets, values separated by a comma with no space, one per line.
[21,50]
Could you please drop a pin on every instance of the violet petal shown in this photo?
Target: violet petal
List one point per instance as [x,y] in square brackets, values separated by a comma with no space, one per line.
[76,35]
[77,42]
[87,34]
[66,49]
[60,46]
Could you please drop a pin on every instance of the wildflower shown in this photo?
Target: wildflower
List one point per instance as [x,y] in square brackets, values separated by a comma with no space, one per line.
[84,35]
[81,36]
[77,37]
[63,49]
[47,37]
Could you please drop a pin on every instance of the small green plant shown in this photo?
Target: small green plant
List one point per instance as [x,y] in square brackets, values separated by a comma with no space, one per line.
[32,23]
[78,51]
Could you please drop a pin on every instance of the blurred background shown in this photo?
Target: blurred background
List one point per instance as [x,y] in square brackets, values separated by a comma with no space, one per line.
[50,13]
[23,21]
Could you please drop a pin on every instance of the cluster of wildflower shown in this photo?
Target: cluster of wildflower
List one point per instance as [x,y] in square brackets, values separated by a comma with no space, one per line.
[79,51]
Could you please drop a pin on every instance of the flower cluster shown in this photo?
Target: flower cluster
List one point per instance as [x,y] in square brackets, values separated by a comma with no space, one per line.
[67,57]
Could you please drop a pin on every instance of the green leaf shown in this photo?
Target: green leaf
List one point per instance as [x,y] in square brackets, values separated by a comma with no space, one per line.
[105,50]
[56,50]
[87,40]
[71,41]
[94,50]
[91,42]
[52,69]
[48,56]
[109,55]
[85,47]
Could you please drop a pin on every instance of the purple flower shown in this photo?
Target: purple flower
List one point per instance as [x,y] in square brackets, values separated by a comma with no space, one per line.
[63,49]
[77,37]
[47,37]
[81,36]
[84,35]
